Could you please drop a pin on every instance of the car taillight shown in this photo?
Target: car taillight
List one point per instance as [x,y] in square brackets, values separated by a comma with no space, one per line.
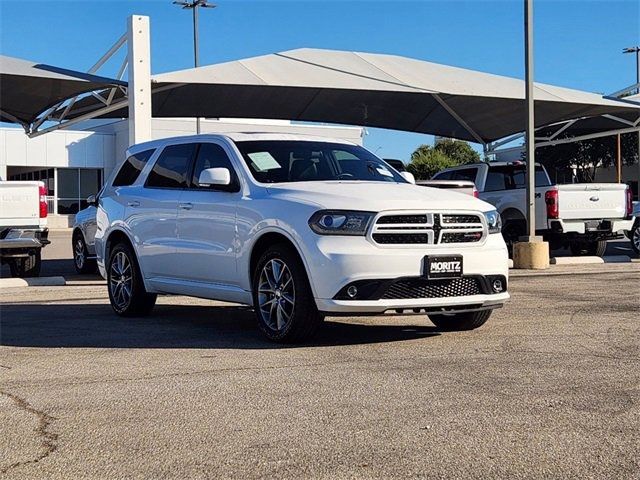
[43,202]
[476,193]
[551,199]
[629,201]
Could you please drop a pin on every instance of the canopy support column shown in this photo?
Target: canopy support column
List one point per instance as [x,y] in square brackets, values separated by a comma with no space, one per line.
[139,71]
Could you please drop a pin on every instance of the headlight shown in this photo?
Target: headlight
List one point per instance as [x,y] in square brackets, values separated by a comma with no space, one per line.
[340,222]
[494,222]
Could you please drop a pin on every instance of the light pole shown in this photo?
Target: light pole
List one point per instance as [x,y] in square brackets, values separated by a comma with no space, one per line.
[636,50]
[193,5]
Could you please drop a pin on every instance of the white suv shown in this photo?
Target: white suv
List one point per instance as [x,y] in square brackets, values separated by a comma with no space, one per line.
[298,227]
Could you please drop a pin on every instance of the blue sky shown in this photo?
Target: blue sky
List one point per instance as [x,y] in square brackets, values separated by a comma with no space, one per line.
[578,43]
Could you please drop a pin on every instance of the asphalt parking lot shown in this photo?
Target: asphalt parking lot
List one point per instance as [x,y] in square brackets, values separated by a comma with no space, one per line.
[549,387]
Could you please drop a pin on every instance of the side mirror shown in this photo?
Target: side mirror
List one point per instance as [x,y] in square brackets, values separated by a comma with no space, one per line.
[214,176]
[408,176]
[91,200]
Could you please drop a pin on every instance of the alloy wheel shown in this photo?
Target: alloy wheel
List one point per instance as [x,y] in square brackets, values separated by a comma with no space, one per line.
[121,280]
[276,294]
[636,238]
[78,253]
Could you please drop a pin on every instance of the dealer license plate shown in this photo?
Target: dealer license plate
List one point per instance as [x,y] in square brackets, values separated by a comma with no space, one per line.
[443,266]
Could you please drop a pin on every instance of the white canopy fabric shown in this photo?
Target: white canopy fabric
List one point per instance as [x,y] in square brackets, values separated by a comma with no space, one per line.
[27,88]
[368,90]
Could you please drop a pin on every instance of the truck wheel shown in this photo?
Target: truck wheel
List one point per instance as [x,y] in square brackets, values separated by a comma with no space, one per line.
[635,238]
[80,254]
[461,321]
[596,248]
[511,232]
[26,267]
[282,298]
[127,294]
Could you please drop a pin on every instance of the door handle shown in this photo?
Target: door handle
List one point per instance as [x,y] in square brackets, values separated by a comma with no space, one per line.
[186,206]
[134,203]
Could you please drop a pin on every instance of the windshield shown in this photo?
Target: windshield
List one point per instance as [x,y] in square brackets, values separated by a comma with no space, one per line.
[276,161]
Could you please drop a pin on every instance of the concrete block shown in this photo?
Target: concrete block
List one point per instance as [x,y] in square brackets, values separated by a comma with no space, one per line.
[531,255]
[32,282]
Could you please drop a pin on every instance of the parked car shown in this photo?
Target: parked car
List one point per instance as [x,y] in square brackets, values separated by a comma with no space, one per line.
[298,227]
[634,233]
[83,238]
[579,216]
[23,226]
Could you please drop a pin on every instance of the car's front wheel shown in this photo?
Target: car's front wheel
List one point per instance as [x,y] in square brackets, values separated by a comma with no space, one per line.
[127,294]
[461,321]
[282,297]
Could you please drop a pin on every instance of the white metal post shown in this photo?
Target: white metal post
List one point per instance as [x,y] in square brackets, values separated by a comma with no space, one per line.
[139,72]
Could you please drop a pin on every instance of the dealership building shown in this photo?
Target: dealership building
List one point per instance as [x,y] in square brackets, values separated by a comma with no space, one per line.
[74,163]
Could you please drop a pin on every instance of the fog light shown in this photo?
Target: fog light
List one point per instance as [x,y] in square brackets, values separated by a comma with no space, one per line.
[497,286]
[352,291]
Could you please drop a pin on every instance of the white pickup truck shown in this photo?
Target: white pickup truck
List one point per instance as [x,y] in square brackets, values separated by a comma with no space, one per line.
[23,226]
[580,216]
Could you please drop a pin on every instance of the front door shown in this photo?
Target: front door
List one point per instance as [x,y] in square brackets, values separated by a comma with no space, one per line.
[207,223]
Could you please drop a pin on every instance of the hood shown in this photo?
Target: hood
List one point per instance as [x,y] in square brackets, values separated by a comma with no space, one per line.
[376,196]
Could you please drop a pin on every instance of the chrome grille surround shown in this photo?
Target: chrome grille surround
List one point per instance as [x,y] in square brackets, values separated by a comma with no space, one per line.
[402,229]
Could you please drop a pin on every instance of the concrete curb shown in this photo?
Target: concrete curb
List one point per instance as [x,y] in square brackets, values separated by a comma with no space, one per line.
[32,282]
[590,260]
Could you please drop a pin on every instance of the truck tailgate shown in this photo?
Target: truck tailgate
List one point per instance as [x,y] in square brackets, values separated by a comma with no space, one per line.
[19,204]
[591,201]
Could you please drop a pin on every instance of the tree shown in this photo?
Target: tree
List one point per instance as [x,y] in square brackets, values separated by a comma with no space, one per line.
[583,159]
[426,161]
[457,150]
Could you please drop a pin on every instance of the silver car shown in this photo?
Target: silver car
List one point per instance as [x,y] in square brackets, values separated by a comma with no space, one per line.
[83,238]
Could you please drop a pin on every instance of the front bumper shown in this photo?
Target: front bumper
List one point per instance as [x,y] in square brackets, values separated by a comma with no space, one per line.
[336,262]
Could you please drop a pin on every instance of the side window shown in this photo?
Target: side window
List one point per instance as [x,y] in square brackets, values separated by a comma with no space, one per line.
[172,166]
[495,181]
[465,174]
[131,168]
[442,176]
[212,155]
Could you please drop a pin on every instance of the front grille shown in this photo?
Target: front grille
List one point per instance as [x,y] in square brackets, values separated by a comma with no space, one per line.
[428,229]
[419,288]
[400,238]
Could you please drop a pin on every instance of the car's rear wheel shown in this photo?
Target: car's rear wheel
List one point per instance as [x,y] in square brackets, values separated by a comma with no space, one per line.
[127,294]
[25,267]
[635,237]
[461,321]
[282,298]
[80,256]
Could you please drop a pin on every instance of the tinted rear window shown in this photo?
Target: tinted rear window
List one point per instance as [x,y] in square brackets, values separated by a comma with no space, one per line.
[172,167]
[131,168]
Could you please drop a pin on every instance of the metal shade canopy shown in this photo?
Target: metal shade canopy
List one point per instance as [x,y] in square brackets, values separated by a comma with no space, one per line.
[27,89]
[368,90]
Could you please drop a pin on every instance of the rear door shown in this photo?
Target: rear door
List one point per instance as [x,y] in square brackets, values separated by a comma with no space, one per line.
[152,211]
[207,222]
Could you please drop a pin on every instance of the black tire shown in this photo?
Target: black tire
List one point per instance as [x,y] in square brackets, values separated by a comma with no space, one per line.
[461,321]
[134,301]
[80,254]
[512,231]
[26,267]
[289,295]
[597,248]
[634,236]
